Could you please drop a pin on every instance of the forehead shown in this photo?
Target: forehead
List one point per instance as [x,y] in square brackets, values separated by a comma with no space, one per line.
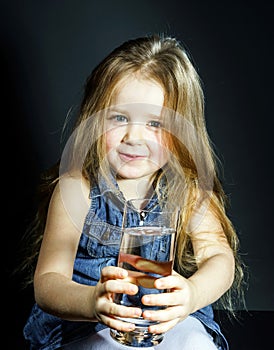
[139,91]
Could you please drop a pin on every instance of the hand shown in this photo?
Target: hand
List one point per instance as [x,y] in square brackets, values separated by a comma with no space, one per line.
[179,301]
[114,280]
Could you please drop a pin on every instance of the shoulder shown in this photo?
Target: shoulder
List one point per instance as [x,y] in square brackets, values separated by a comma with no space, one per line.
[204,217]
[71,198]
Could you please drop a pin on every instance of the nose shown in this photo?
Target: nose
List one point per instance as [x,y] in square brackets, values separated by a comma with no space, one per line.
[134,134]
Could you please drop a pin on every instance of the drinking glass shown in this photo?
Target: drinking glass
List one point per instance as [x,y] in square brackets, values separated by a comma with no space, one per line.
[146,251]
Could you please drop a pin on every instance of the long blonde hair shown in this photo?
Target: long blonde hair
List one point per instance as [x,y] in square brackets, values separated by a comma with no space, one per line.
[163,60]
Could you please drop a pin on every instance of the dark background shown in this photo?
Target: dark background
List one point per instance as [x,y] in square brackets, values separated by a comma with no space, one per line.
[48,48]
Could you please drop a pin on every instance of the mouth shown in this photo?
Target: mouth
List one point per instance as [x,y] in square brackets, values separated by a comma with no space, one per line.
[126,157]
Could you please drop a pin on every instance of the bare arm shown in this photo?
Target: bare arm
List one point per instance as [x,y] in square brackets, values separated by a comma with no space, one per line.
[54,289]
[214,276]
[215,262]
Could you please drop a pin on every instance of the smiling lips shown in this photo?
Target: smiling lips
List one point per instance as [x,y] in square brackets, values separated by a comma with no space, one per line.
[126,157]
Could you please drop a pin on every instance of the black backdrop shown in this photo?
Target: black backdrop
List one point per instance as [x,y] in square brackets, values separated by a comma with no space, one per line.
[49,48]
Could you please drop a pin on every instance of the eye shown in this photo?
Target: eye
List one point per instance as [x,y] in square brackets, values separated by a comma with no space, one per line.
[117,118]
[154,124]
[120,118]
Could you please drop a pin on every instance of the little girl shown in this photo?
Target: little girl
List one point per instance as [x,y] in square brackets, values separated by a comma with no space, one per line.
[140,133]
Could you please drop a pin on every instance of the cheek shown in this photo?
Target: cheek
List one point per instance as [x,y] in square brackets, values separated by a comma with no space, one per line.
[158,153]
[112,140]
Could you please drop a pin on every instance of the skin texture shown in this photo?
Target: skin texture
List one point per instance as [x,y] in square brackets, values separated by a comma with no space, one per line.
[135,152]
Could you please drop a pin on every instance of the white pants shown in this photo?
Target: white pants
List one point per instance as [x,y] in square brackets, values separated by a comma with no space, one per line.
[189,334]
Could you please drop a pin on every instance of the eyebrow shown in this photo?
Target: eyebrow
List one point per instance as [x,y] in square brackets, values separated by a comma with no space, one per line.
[119,110]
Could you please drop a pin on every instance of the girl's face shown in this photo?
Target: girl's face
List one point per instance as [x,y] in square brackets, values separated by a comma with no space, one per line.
[133,130]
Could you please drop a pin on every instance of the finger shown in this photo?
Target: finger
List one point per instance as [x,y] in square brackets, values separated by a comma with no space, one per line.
[118,286]
[168,314]
[170,299]
[108,313]
[163,327]
[112,272]
[171,282]
[116,310]
[117,324]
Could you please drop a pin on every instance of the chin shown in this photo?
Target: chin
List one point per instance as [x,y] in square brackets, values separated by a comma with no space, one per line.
[131,176]
[134,175]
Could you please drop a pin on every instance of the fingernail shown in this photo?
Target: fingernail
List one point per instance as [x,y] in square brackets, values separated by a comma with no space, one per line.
[159,284]
[137,312]
[122,273]
[146,299]
[132,289]
[131,327]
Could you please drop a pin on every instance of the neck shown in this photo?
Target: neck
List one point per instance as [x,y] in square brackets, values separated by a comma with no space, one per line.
[136,188]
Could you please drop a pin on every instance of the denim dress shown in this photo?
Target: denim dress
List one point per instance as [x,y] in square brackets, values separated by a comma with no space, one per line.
[98,247]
